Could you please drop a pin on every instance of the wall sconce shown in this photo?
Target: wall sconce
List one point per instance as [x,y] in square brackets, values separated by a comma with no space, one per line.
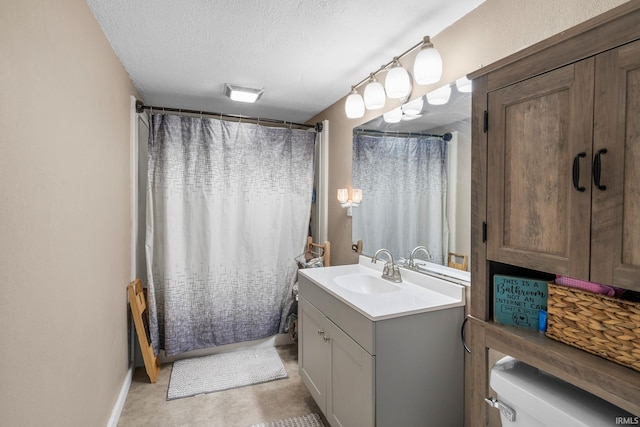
[398,84]
[345,202]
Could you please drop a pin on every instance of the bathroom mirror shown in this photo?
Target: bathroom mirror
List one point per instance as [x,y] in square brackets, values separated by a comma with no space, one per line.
[414,168]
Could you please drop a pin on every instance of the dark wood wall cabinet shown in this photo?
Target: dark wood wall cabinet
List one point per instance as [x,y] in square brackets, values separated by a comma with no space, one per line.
[556,190]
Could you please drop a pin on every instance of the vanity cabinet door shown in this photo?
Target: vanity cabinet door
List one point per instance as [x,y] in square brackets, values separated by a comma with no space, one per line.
[539,169]
[337,371]
[350,400]
[615,238]
[313,352]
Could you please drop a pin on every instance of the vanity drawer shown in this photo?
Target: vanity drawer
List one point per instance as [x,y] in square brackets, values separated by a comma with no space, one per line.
[354,324]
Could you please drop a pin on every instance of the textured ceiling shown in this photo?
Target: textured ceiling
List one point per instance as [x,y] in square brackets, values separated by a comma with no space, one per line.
[306,54]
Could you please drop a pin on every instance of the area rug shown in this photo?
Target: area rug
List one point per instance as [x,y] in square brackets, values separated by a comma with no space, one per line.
[199,375]
[311,420]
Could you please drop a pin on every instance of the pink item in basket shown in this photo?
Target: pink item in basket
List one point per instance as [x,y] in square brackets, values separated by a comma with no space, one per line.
[585,286]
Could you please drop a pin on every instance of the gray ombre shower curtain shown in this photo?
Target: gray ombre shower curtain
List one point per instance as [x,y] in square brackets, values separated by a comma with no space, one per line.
[228,208]
[404,186]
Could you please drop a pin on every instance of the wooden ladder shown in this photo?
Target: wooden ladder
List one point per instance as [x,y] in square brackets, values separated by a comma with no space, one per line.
[138,306]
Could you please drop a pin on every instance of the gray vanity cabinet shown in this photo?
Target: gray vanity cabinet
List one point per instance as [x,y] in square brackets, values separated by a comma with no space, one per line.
[337,371]
[400,371]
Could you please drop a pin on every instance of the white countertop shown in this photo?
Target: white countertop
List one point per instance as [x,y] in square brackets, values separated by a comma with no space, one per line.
[458,276]
[418,292]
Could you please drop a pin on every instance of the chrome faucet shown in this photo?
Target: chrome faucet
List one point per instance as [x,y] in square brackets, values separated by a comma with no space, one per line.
[412,264]
[391,271]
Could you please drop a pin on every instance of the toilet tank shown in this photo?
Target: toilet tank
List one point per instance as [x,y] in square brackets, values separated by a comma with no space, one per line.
[539,399]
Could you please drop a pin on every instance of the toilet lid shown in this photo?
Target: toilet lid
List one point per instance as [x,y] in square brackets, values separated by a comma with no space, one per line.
[547,398]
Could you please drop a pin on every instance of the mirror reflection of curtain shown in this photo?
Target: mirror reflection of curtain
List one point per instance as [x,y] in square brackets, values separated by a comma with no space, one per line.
[404,185]
[228,209]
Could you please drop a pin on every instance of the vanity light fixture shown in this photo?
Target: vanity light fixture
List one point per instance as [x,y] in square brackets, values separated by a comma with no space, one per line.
[393,116]
[427,67]
[374,95]
[414,108]
[463,84]
[439,96]
[408,118]
[242,94]
[345,202]
[398,83]
[354,105]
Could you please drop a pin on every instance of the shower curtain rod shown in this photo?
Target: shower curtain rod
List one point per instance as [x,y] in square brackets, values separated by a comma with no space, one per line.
[140,107]
[447,136]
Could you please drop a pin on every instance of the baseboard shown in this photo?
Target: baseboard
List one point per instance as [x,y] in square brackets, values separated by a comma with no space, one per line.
[122,397]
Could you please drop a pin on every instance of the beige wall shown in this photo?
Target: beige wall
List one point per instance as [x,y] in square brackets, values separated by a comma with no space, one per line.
[64,216]
[494,30]
[64,192]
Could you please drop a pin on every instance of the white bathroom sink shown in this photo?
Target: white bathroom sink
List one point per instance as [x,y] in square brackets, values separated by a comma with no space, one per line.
[365,284]
[362,287]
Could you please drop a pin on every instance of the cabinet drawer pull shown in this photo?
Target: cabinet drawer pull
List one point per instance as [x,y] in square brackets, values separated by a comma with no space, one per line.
[597,169]
[576,171]
[320,332]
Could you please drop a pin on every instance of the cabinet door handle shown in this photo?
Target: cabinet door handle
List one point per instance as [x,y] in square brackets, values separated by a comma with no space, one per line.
[576,171]
[464,342]
[320,332]
[325,338]
[597,169]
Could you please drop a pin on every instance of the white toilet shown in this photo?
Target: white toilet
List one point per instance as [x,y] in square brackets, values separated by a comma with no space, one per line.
[533,398]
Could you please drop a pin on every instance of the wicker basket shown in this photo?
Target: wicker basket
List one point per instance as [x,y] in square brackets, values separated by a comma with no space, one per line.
[606,326]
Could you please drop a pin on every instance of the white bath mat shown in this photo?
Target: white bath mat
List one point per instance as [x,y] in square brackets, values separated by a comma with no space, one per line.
[224,371]
[311,420]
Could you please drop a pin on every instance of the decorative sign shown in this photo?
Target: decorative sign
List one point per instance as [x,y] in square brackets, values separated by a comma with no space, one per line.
[517,300]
